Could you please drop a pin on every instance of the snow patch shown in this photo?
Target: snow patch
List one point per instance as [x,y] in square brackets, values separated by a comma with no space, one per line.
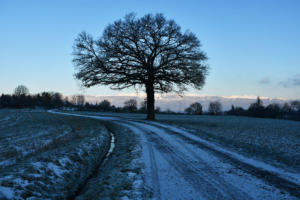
[7,192]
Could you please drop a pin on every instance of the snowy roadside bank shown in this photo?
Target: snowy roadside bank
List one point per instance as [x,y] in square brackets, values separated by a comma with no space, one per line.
[121,174]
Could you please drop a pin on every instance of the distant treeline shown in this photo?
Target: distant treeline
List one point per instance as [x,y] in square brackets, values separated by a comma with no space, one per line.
[46,100]
[55,100]
[289,110]
[51,100]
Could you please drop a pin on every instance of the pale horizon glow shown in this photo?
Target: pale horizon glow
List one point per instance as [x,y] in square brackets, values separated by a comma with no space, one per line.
[143,95]
[177,103]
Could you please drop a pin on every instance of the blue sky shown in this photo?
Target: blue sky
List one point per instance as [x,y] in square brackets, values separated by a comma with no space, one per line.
[253,46]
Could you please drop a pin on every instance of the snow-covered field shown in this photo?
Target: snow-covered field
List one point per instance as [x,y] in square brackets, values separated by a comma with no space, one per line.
[45,156]
[276,142]
[56,155]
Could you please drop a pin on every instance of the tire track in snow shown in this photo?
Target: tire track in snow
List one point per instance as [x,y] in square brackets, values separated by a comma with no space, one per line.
[148,151]
[155,178]
[210,185]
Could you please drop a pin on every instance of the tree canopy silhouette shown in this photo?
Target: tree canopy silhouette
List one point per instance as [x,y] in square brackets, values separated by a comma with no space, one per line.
[215,108]
[194,109]
[21,90]
[150,52]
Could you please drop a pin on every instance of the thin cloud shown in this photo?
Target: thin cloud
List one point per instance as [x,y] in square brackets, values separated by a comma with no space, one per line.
[296,80]
[265,81]
[292,81]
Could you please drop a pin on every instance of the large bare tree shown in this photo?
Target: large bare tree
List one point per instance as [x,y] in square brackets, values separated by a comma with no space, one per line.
[149,52]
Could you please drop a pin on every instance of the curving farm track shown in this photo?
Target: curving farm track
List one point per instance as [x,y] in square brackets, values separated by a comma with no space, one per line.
[178,165]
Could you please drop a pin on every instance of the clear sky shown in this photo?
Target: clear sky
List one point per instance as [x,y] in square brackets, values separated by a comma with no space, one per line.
[253,46]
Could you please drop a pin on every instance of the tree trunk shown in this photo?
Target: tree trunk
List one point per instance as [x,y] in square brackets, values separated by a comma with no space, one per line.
[150,102]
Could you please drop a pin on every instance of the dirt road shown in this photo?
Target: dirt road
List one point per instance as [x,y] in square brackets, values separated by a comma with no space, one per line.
[178,165]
